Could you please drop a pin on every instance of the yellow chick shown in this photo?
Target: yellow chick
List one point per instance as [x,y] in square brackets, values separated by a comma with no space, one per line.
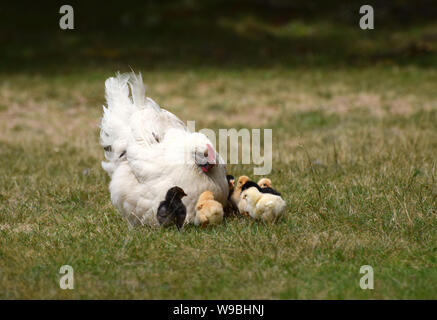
[208,211]
[265,206]
[236,194]
[265,183]
[235,197]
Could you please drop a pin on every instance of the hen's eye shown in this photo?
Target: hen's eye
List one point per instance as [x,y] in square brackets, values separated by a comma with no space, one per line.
[205,154]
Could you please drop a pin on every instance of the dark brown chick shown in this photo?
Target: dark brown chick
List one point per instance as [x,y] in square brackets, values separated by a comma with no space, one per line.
[172,210]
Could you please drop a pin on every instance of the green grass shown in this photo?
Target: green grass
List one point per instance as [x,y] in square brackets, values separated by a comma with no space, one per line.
[354,156]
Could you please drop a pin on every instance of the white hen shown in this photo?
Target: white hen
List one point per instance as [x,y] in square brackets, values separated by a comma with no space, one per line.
[149,150]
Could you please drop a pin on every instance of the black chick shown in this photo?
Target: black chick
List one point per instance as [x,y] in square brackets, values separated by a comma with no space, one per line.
[250,184]
[230,208]
[231,181]
[172,210]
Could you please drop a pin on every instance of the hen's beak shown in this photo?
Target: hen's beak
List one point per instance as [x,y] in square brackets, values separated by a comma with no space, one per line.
[206,167]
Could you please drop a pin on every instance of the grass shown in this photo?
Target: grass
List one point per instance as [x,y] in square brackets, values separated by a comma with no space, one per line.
[354,156]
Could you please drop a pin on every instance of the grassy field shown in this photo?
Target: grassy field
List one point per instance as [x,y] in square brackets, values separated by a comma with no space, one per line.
[354,155]
[354,119]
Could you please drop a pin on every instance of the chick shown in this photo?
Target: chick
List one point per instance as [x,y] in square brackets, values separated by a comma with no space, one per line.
[265,183]
[231,182]
[266,186]
[230,207]
[208,211]
[172,210]
[243,203]
[265,206]
[235,197]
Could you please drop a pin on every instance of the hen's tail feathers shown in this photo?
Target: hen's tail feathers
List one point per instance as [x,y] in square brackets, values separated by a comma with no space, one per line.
[119,126]
[138,89]
[114,125]
[114,128]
